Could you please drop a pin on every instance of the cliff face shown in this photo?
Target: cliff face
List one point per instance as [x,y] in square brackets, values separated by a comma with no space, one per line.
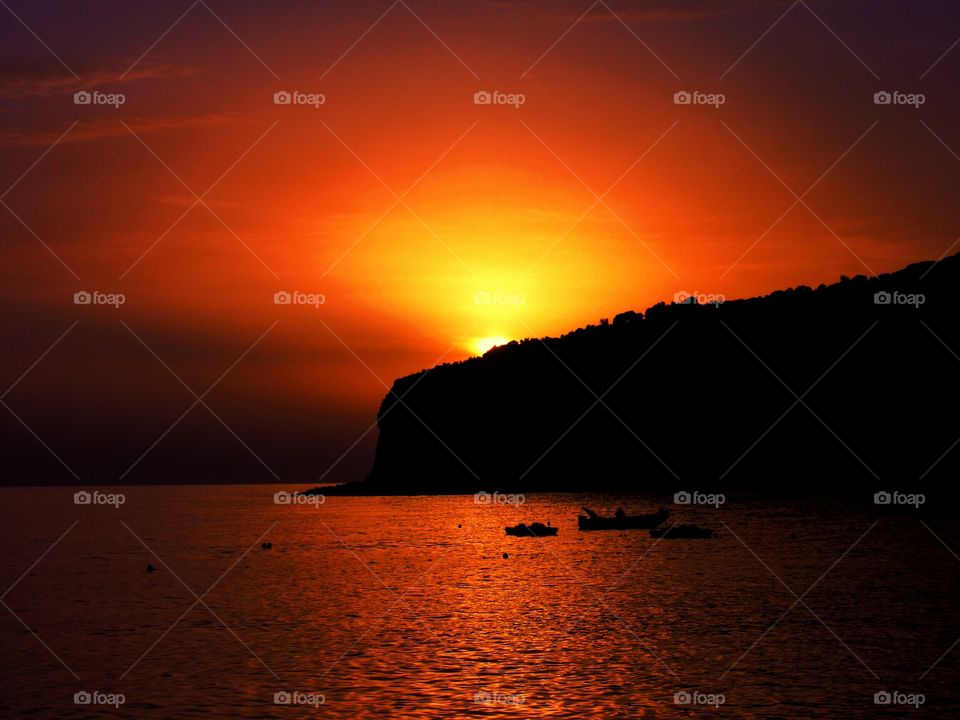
[828,387]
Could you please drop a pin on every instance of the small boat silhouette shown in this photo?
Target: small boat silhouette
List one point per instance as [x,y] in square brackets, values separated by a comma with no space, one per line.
[620,521]
[532,530]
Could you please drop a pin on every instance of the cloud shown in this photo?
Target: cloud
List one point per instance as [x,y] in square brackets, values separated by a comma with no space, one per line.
[39,80]
[103,129]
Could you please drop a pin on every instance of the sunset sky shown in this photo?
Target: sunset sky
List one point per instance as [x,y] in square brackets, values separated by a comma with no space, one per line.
[427,222]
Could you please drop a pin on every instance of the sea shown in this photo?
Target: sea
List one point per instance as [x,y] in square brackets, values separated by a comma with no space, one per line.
[261,604]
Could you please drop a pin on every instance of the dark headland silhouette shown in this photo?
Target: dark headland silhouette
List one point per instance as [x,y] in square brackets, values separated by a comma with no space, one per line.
[845,386]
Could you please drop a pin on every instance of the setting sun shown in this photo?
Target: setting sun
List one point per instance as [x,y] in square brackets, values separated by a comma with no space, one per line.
[481,345]
[254,267]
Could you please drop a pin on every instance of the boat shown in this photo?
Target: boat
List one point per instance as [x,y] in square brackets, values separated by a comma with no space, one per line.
[532,530]
[593,521]
[682,532]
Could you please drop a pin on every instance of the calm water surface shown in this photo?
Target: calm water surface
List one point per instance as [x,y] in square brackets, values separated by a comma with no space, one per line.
[407,607]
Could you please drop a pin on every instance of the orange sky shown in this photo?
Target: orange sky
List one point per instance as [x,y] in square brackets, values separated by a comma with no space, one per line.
[499,231]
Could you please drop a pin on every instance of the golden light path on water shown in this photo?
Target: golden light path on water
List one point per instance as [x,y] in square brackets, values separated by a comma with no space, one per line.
[422,608]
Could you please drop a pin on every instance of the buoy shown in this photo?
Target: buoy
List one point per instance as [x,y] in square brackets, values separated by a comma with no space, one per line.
[459,525]
[150,568]
[505,556]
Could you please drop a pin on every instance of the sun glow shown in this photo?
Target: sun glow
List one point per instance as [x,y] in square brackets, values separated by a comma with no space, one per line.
[481,345]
